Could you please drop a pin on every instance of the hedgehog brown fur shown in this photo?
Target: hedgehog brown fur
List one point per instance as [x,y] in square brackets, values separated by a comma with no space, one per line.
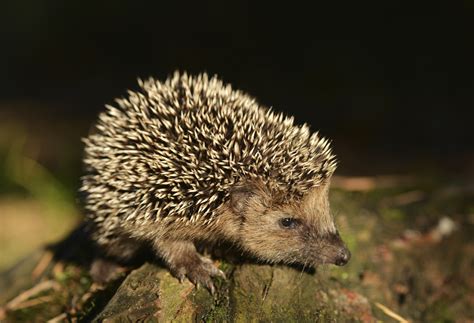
[192,159]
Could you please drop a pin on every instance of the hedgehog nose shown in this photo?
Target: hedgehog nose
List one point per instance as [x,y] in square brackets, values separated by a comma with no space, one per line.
[343,257]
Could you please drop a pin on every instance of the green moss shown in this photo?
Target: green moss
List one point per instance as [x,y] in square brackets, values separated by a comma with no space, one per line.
[390,214]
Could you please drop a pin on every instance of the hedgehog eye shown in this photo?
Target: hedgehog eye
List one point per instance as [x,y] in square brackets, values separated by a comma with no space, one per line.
[289,223]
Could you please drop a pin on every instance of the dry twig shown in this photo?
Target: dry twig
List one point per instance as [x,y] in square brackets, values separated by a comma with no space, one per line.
[60,318]
[391,313]
[35,290]
[42,264]
[33,302]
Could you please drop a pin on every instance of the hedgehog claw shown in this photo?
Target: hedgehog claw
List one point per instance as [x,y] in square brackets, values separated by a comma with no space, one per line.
[211,288]
[203,273]
[184,261]
[200,272]
[220,274]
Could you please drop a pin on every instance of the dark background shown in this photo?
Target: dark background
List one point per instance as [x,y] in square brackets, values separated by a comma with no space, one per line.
[390,82]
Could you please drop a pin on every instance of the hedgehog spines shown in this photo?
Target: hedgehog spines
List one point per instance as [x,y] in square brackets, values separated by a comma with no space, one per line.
[175,148]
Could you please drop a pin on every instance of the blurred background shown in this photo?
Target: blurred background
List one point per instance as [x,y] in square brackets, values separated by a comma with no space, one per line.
[392,85]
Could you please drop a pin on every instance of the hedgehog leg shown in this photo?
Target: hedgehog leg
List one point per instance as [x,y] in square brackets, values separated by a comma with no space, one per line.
[184,261]
[104,271]
[122,248]
[115,254]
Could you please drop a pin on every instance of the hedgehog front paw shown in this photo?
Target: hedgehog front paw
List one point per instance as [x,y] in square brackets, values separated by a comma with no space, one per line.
[184,261]
[198,269]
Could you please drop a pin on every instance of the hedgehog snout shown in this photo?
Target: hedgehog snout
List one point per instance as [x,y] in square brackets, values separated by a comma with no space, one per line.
[340,253]
[342,257]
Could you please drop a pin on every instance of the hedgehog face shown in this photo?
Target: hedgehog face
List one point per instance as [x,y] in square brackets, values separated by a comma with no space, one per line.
[300,231]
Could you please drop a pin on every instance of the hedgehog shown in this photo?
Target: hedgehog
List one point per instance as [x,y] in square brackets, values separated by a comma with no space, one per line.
[192,160]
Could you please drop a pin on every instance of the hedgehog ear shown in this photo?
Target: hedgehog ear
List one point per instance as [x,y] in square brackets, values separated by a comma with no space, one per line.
[239,198]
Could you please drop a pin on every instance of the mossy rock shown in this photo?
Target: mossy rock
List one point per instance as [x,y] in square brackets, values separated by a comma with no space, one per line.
[406,266]
[251,293]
